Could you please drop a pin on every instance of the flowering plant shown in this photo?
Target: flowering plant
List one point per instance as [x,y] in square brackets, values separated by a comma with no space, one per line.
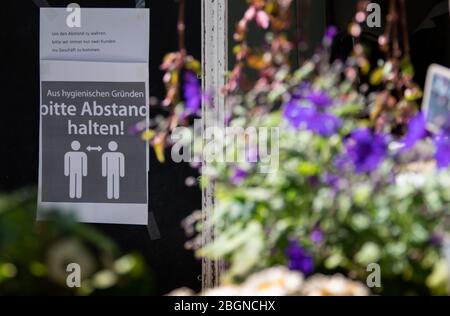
[358,179]
[37,258]
[280,281]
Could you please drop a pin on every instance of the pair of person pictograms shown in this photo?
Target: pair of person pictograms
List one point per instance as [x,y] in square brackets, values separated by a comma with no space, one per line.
[76,167]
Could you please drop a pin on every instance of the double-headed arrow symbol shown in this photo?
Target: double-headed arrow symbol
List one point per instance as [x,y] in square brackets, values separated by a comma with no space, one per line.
[90,148]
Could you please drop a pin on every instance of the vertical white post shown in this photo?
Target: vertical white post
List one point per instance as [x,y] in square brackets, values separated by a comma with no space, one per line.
[214,68]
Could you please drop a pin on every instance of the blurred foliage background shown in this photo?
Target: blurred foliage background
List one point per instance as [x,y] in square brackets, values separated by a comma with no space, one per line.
[34,255]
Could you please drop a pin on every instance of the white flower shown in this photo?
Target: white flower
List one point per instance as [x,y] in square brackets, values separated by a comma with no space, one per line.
[228,290]
[337,285]
[183,291]
[276,281]
[413,179]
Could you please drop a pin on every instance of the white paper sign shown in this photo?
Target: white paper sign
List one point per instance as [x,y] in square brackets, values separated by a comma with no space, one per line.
[104,35]
[94,88]
[436,100]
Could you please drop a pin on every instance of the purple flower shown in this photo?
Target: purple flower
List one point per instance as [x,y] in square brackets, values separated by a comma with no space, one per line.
[313,181]
[324,124]
[436,239]
[192,93]
[239,175]
[416,131]
[331,180]
[316,236]
[134,130]
[365,150]
[442,154]
[301,90]
[299,259]
[252,154]
[321,123]
[311,114]
[320,99]
[331,32]
[297,115]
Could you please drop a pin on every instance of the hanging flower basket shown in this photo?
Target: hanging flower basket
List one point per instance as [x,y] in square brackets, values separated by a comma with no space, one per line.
[340,172]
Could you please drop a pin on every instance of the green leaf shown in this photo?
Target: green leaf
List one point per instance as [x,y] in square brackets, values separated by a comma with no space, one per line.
[369,253]
[308,169]
[437,281]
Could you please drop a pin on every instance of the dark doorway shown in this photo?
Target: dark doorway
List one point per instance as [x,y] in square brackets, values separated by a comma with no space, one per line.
[170,200]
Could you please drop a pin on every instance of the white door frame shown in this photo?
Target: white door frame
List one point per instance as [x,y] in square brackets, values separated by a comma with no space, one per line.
[214,69]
